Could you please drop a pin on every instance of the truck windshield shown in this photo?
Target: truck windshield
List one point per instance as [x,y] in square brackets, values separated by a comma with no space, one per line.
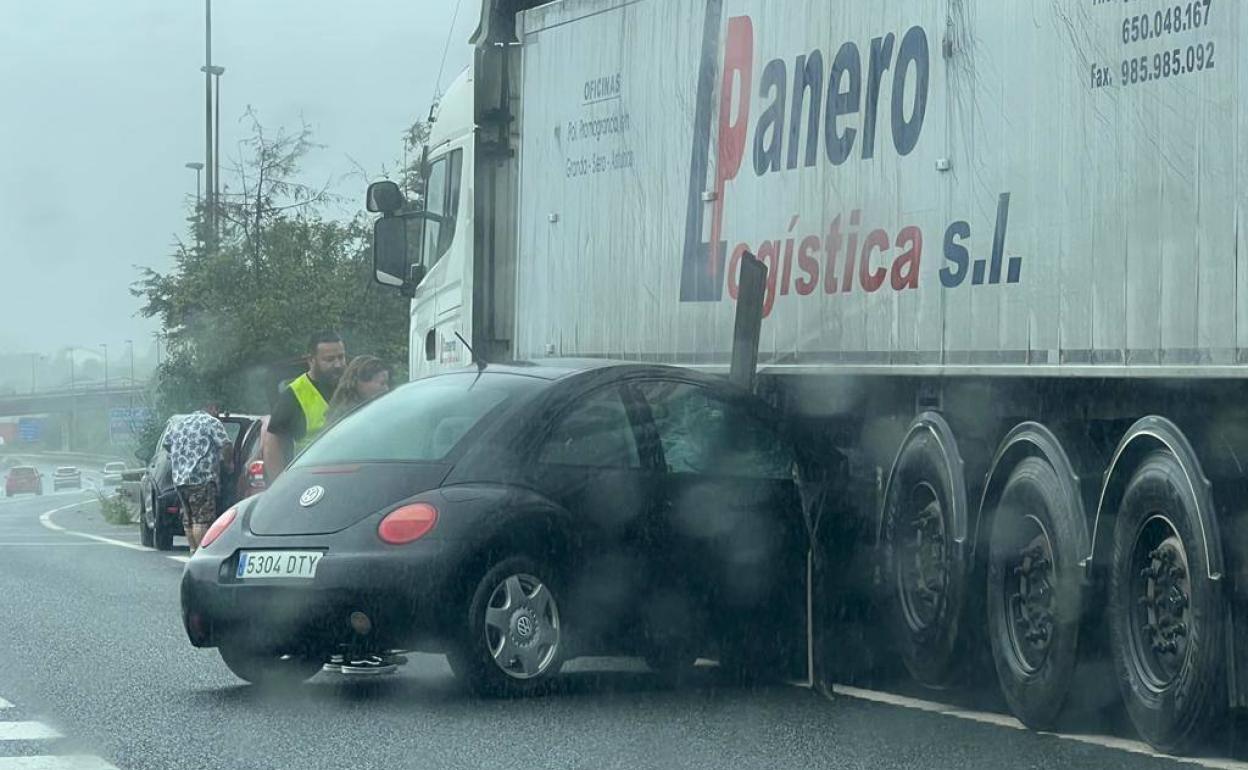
[420,422]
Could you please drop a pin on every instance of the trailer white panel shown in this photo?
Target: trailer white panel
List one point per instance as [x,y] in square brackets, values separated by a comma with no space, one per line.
[983,184]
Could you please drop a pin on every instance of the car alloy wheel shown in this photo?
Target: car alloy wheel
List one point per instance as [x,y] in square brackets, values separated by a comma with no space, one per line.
[522,626]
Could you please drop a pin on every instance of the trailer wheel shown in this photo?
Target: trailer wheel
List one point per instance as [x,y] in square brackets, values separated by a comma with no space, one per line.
[1167,618]
[926,568]
[1035,594]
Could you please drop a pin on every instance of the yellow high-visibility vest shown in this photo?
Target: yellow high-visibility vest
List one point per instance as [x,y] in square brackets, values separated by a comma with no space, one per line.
[314,408]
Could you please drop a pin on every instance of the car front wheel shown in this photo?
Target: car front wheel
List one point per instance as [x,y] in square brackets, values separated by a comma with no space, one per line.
[514,640]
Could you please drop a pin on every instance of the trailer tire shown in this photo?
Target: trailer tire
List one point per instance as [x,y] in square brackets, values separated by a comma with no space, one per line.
[926,568]
[1035,591]
[1166,616]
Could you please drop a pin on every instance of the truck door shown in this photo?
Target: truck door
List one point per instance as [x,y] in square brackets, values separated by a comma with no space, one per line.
[438,308]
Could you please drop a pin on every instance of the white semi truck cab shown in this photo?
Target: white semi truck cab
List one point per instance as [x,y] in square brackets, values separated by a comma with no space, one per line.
[453,253]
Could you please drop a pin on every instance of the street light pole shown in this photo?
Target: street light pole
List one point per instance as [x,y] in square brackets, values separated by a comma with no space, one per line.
[197,167]
[212,222]
[130,347]
[73,400]
[107,417]
[214,176]
[216,156]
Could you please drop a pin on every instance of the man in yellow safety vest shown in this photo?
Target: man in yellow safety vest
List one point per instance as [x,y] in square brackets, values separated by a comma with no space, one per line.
[300,410]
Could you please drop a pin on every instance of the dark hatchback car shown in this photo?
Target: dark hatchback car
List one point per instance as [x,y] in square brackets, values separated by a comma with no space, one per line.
[516,518]
[160,510]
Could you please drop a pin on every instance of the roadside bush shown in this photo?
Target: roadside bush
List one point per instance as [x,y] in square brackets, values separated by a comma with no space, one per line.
[114,508]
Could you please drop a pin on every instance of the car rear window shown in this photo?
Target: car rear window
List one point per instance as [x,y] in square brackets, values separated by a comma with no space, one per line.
[422,421]
[22,472]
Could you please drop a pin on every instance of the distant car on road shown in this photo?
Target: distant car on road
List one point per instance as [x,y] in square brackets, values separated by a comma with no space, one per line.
[160,510]
[23,479]
[66,477]
[112,473]
[515,518]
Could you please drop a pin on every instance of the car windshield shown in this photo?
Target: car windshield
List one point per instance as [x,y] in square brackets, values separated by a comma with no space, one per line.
[421,421]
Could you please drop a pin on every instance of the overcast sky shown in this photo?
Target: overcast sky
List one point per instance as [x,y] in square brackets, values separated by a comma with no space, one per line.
[102,104]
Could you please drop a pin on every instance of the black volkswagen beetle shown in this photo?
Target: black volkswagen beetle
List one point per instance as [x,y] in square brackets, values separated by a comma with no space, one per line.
[513,518]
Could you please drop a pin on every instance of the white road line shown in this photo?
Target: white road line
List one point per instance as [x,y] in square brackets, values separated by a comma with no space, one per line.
[47,544]
[68,762]
[26,731]
[1000,720]
[46,520]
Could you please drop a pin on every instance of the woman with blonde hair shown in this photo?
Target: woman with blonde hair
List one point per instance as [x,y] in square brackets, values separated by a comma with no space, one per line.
[364,379]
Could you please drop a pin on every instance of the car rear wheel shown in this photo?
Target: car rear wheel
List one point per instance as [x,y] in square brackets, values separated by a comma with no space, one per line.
[268,668]
[162,530]
[514,640]
[146,536]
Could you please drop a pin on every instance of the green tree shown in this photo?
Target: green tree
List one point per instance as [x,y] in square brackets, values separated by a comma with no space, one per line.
[237,308]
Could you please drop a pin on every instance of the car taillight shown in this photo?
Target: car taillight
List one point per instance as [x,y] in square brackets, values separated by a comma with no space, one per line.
[255,474]
[407,524]
[222,523]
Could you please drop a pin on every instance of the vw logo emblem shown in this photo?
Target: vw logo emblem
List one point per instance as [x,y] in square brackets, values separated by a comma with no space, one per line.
[311,496]
[524,626]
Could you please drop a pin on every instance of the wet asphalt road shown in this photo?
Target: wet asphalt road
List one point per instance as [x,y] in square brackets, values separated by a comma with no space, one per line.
[91,645]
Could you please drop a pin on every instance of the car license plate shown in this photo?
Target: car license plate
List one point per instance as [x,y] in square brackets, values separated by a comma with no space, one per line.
[277,564]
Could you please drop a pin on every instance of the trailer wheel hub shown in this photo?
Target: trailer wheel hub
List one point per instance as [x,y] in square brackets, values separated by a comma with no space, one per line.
[1163,595]
[922,565]
[1029,597]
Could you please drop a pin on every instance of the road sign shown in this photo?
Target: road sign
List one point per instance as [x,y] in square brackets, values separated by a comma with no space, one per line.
[124,422]
[29,430]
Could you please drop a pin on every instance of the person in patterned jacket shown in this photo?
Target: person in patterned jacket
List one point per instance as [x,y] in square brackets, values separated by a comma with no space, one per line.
[198,449]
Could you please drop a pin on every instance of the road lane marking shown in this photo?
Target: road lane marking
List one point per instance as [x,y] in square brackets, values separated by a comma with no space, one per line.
[46,520]
[1001,720]
[26,731]
[47,544]
[68,762]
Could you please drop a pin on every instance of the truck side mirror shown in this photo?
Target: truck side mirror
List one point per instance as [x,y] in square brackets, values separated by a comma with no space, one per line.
[384,197]
[390,265]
